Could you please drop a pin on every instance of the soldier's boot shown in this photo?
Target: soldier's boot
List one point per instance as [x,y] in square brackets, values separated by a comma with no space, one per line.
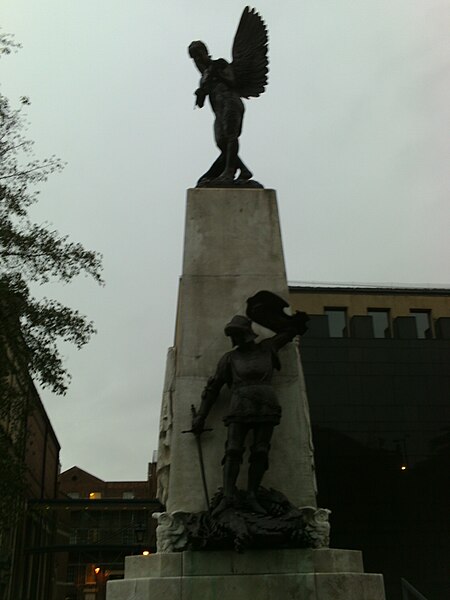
[231,467]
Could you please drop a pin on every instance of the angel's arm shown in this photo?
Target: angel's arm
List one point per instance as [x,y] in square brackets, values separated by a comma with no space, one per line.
[203,89]
[200,96]
[220,70]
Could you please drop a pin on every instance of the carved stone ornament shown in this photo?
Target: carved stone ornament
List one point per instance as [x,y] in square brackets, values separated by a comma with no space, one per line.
[281,526]
[171,532]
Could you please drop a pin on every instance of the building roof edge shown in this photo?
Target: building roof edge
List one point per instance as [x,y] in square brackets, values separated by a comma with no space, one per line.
[365,288]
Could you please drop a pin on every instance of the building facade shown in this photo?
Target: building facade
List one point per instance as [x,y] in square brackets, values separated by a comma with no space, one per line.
[98,524]
[62,536]
[29,468]
[377,370]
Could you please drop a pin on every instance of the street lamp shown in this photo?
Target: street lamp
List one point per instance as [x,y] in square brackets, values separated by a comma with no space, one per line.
[139,532]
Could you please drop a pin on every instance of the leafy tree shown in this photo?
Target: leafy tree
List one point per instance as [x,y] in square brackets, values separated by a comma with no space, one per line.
[30,328]
[31,252]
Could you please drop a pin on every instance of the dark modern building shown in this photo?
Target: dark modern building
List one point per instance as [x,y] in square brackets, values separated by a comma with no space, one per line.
[377,368]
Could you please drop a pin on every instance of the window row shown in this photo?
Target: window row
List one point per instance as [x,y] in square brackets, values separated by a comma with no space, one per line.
[377,323]
[98,495]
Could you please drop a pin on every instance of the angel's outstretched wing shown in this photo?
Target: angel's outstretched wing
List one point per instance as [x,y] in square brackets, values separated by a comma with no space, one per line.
[250,62]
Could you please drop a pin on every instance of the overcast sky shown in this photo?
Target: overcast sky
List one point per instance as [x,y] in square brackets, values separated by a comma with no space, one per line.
[352,132]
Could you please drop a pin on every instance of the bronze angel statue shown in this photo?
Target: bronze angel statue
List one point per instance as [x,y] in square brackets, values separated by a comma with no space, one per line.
[226,84]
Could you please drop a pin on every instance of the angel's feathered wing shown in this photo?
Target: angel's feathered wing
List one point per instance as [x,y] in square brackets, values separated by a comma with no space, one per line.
[250,62]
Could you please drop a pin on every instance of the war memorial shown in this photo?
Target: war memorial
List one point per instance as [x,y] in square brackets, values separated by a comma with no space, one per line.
[236,459]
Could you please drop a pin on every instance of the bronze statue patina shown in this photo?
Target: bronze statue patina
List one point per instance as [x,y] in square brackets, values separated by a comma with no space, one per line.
[248,370]
[225,84]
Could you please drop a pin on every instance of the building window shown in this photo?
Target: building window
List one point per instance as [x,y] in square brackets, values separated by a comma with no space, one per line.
[73,538]
[128,495]
[73,495]
[128,536]
[381,322]
[95,495]
[337,321]
[423,323]
[90,535]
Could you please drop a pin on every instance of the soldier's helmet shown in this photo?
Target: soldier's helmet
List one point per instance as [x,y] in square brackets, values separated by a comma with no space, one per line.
[240,325]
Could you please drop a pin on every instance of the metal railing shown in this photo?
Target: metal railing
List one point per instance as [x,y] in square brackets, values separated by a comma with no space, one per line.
[409,591]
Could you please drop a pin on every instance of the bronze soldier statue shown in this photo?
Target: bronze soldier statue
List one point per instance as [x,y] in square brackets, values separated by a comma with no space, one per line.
[248,370]
[225,84]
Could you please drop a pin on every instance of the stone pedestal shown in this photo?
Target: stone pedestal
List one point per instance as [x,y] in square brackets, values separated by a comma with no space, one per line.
[232,250]
[256,575]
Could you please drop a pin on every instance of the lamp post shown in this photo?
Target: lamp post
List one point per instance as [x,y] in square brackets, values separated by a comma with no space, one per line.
[100,581]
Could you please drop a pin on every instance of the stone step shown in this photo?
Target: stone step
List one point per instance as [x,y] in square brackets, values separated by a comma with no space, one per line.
[292,586]
[252,562]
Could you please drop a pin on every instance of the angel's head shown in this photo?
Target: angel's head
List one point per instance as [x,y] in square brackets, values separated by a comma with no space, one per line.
[199,52]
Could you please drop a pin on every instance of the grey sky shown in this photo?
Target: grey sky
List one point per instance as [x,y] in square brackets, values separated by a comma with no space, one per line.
[352,132]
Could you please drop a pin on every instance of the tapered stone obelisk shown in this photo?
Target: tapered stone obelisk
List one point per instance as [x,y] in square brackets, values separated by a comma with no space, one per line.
[232,250]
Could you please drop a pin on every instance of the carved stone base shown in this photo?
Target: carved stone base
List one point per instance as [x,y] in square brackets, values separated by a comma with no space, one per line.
[267,521]
[295,574]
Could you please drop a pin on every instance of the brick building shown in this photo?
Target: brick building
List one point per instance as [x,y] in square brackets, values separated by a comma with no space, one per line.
[29,469]
[78,484]
[99,523]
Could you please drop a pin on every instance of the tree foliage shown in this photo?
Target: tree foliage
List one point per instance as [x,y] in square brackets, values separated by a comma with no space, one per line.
[32,252]
[30,328]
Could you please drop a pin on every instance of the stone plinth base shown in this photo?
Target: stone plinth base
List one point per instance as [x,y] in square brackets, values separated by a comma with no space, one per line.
[323,574]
